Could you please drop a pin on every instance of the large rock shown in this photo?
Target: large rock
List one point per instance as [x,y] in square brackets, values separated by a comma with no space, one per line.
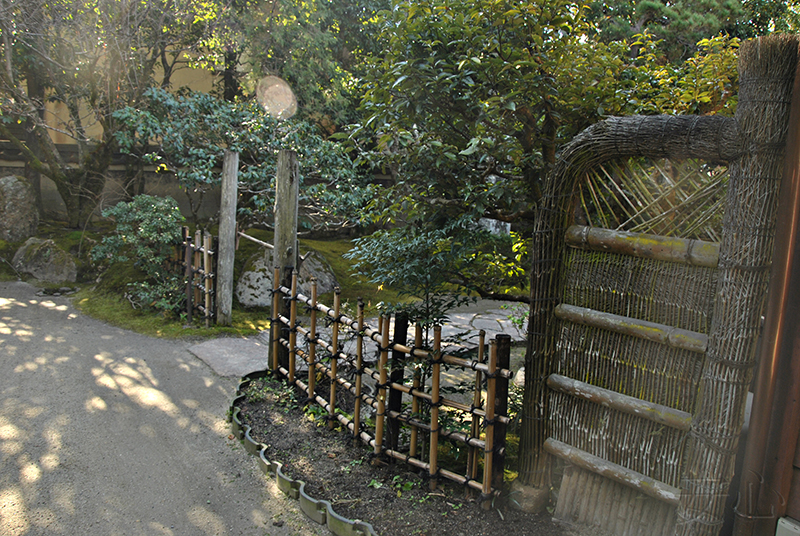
[255,282]
[19,217]
[45,261]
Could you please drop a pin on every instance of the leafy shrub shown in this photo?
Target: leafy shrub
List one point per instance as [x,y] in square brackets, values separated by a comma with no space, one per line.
[147,232]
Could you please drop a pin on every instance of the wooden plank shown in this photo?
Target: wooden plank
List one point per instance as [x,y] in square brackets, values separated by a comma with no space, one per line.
[641,483]
[657,413]
[664,248]
[793,502]
[660,333]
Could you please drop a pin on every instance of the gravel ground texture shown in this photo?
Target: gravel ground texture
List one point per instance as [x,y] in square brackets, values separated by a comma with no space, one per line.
[107,432]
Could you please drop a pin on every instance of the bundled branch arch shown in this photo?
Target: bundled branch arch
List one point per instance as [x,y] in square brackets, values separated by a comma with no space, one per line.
[752,145]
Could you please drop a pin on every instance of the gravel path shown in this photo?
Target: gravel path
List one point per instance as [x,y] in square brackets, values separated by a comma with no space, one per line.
[107,432]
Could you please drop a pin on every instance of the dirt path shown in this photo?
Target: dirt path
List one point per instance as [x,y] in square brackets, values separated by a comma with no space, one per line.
[107,432]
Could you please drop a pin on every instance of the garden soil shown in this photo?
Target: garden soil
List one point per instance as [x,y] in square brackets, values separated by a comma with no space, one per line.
[394,497]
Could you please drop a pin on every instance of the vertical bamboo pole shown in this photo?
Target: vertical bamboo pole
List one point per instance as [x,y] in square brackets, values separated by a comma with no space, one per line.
[188,254]
[477,402]
[436,370]
[384,356]
[275,323]
[359,365]
[197,264]
[312,345]
[293,328]
[502,361]
[334,357]
[397,374]
[208,276]
[490,404]
[415,400]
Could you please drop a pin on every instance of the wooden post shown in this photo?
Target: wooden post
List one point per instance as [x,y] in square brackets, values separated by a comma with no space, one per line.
[285,254]
[500,408]
[436,369]
[359,364]
[227,237]
[334,358]
[396,376]
[415,400]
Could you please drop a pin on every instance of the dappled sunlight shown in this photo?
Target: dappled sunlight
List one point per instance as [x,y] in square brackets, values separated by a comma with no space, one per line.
[159,528]
[7,303]
[134,379]
[49,305]
[206,520]
[29,471]
[95,404]
[23,332]
[13,513]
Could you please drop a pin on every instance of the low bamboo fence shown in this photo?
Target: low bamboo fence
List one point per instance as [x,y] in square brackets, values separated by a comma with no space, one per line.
[199,267]
[485,438]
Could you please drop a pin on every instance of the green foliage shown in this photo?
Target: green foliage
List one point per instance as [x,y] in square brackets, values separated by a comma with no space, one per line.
[316,46]
[676,25]
[89,58]
[431,265]
[147,232]
[189,132]
[471,101]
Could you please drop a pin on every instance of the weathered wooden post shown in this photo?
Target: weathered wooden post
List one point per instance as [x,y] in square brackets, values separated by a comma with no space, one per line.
[227,237]
[285,255]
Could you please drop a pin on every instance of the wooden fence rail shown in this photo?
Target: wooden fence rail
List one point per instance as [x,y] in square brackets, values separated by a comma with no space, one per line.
[484,436]
[199,265]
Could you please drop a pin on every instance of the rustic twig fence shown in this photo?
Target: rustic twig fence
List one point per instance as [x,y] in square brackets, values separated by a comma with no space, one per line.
[486,436]
[199,265]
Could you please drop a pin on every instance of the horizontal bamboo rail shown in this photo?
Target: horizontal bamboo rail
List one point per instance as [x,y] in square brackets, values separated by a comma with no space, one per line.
[443,401]
[491,444]
[375,335]
[692,252]
[373,403]
[622,475]
[668,335]
[370,440]
[657,413]
[198,266]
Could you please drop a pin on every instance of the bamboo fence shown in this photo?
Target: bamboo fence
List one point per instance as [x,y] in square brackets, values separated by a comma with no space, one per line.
[349,374]
[641,347]
[199,266]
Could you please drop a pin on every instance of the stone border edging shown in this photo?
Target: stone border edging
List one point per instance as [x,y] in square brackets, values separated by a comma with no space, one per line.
[319,511]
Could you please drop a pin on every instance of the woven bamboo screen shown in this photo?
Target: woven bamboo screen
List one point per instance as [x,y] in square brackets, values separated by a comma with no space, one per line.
[639,360]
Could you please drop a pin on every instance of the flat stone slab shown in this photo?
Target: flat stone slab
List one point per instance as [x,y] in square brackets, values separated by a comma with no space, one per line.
[233,357]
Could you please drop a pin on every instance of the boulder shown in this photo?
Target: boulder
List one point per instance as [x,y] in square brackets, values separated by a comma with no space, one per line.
[45,261]
[255,282]
[19,216]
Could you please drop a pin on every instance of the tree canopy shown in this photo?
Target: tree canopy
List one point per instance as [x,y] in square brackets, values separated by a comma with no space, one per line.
[470,101]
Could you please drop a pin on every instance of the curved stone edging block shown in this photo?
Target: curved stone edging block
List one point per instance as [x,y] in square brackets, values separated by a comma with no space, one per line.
[319,511]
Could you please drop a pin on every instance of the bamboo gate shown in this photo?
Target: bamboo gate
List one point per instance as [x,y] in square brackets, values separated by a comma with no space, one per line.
[642,347]
[199,267]
[485,438]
